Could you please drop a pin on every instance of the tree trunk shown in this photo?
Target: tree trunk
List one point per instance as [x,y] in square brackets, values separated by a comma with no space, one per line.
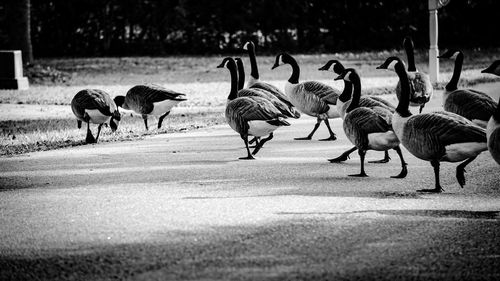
[19,29]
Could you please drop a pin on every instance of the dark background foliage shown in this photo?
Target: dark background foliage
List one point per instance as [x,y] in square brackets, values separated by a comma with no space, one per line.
[160,27]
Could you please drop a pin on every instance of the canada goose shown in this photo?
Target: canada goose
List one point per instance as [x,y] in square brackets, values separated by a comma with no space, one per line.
[368,128]
[97,107]
[344,101]
[471,104]
[420,84]
[312,98]
[493,127]
[436,136]
[150,100]
[250,116]
[254,81]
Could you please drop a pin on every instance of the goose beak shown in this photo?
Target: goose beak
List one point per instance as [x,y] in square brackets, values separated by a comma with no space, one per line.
[340,77]
[323,68]
[274,66]
[220,65]
[381,67]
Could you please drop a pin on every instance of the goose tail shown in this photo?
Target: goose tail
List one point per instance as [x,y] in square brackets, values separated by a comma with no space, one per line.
[295,112]
[279,122]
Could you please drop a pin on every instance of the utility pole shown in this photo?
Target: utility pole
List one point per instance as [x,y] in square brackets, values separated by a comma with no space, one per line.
[434,5]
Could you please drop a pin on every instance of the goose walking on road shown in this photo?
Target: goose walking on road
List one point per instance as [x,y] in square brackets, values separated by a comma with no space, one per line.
[150,100]
[250,116]
[312,98]
[493,127]
[369,129]
[437,136]
[471,104]
[420,83]
[97,107]
[344,101]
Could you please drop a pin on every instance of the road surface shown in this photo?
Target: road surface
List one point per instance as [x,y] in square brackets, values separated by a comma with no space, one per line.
[183,207]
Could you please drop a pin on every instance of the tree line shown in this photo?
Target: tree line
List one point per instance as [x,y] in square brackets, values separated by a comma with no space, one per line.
[162,27]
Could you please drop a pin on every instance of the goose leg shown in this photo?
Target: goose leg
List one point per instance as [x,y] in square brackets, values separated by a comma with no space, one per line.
[437,189]
[254,140]
[145,118]
[404,170]
[421,108]
[98,132]
[160,120]
[261,143]
[332,134]
[90,138]
[249,155]
[461,171]
[318,122]
[362,154]
[385,160]
[343,157]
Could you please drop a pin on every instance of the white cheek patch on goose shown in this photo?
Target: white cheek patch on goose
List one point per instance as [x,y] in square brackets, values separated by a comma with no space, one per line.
[281,59]
[392,65]
[96,116]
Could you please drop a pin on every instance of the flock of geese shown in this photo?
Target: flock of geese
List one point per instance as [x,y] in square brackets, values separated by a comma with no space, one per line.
[469,124]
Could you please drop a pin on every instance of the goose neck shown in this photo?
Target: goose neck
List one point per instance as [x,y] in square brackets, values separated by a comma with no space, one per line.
[254,71]
[356,92]
[346,93]
[410,55]
[457,70]
[404,101]
[234,81]
[241,75]
[294,78]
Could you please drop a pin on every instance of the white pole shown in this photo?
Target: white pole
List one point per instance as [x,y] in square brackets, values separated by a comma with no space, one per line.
[433,39]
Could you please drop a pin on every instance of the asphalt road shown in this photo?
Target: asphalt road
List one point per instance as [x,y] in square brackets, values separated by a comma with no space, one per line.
[183,207]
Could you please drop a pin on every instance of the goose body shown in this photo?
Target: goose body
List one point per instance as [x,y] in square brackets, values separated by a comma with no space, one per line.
[493,126]
[312,98]
[150,100]
[250,115]
[367,128]
[437,136]
[97,107]
[383,107]
[471,104]
[421,89]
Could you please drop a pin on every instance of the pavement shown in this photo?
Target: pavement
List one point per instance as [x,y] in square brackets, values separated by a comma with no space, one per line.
[183,207]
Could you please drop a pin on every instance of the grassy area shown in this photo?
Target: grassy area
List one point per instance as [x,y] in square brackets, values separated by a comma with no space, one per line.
[56,81]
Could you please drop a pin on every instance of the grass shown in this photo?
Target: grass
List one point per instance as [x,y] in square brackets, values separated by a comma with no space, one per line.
[56,81]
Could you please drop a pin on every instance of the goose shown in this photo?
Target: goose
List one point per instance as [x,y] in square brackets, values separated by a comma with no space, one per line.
[368,129]
[257,92]
[344,101]
[150,100]
[254,81]
[471,104]
[493,127]
[250,116]
[437,136]
[312,98]
[95,106]
[420,83]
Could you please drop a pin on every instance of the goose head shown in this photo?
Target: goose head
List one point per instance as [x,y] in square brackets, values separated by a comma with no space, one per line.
[283,59]
[227,63]
[391,63]
[494,68]
[120,101]
[115,121]
[249,46]
[335,65]
[349,75]
[449,54]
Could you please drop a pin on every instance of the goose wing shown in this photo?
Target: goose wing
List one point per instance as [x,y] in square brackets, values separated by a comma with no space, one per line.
[326,93]
[445,128]
[363,121]
[141,98]
[273,90]
[241,110]
[93,99]
[470,104]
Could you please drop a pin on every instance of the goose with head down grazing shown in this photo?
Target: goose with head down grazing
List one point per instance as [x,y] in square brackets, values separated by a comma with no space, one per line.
[97,107]
[421,89]
[437,136]
[250,116]
[150,100]
[367,128]
[344,101]
[493,127]
[312,98]
[471,104]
